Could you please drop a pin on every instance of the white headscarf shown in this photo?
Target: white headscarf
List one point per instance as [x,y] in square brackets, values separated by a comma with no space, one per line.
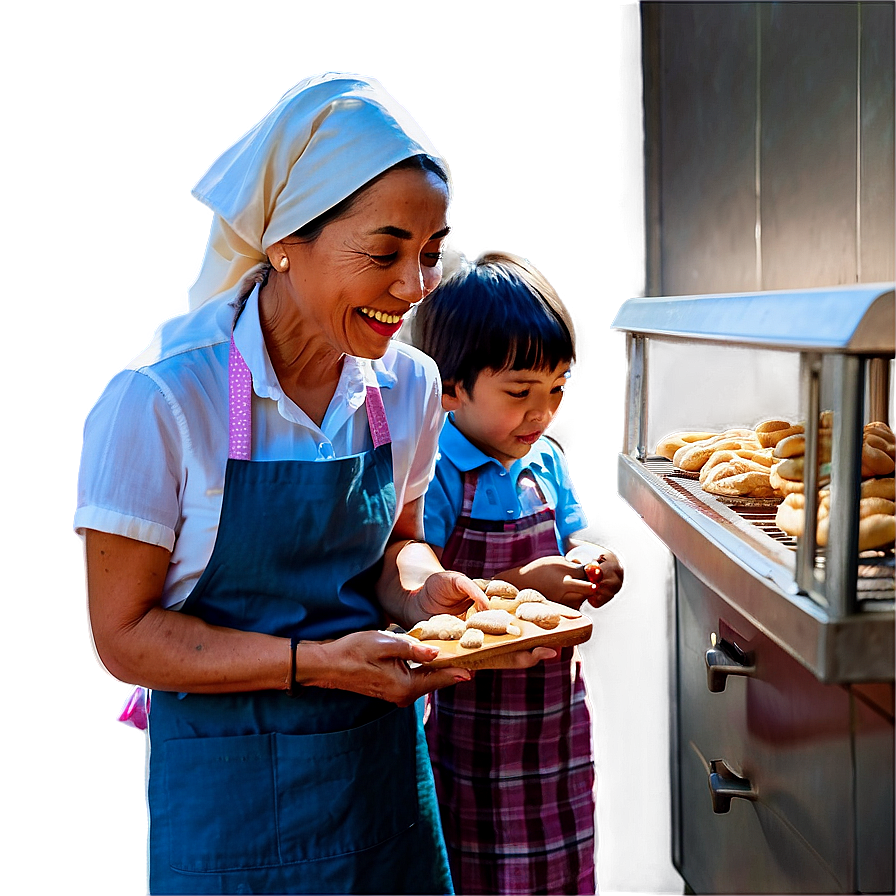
[326,137]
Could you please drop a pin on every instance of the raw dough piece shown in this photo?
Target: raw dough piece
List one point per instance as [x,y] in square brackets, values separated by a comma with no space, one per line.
[539,613]
[494,622]
[472,639]
[441,627]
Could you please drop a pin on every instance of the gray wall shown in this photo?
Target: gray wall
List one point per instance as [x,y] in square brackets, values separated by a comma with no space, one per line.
[120,155]
[769,145]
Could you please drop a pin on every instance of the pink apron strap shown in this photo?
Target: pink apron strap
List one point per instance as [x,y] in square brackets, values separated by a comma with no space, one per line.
[135,712]
[376,417]
[240,415]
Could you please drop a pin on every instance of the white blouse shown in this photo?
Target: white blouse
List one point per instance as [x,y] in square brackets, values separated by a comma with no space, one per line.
[155,444]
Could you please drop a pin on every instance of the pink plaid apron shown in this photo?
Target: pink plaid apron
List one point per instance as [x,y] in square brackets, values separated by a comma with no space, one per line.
[511,749]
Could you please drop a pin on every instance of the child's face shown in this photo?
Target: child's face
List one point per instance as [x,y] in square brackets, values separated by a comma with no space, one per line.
[508,410]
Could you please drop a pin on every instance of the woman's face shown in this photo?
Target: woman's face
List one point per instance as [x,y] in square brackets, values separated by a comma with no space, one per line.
[354,283]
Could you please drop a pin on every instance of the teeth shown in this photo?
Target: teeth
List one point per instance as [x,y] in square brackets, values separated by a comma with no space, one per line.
[381,316]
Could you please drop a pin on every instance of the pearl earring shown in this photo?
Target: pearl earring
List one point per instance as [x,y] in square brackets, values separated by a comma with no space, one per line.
[283,264]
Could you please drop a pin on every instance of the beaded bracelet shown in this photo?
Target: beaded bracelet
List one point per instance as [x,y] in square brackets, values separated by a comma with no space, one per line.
[293,687]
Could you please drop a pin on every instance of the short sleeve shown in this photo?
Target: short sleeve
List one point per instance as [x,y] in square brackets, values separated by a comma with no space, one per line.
[424,457]
[129,482]
[570,515]
[443,504]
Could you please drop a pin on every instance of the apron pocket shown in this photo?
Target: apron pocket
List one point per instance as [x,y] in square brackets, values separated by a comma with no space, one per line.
[347,791]
[221,803]
[262,800]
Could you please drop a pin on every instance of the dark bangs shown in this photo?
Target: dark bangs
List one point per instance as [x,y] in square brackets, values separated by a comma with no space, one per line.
[497,314]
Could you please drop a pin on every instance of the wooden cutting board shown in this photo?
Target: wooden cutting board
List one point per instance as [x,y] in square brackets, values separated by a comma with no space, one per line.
[497,649]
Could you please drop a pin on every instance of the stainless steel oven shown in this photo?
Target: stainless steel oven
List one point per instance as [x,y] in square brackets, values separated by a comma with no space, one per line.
[782,661]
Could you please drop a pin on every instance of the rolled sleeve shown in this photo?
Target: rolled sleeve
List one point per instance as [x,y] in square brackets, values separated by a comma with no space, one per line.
[129,478]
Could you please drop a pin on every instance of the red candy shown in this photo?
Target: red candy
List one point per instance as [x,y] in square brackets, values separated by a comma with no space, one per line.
[593,571]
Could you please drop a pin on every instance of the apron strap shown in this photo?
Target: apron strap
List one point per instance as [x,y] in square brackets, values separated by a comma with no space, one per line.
[471,479]
[240,415]
[376,417]
[240,410]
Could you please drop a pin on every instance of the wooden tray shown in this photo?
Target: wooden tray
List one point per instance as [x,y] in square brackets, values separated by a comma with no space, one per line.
[570,631]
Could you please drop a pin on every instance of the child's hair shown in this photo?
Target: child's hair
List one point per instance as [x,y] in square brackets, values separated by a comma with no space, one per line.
[495,313]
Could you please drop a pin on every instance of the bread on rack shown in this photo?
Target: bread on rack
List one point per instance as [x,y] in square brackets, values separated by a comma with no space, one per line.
[770,432]
[877,515]
[742,473]
[878,450]
[789,457]
[669,444]
[693,456]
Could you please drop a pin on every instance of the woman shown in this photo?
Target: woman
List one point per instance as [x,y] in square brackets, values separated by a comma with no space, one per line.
[251,498]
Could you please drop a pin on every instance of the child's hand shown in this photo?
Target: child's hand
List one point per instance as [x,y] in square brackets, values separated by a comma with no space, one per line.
[605,575]
[557,578]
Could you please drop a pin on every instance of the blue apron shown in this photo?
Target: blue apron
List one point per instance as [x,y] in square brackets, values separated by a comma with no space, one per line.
[327,792]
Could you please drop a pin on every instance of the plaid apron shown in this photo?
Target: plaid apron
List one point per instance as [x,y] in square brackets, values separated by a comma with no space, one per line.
[511,749]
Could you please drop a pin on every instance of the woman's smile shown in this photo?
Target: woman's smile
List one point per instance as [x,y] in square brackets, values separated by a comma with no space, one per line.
[381,322]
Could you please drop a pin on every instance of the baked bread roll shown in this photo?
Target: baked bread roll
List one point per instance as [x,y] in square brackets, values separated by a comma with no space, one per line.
[795,446]
[878,450]
[770,432]
[879,488]
[693,457]
[750,484]
[740,460]
[877,519]
[790,516]
[669,444]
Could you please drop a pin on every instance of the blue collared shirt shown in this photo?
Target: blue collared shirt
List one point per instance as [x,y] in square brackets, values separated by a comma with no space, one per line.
[501,494]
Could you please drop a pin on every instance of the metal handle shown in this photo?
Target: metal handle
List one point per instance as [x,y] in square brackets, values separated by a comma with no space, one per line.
[725,785]
[724,659]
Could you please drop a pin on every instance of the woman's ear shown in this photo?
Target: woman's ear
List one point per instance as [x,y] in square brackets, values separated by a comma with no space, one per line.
[278,257]
[450,401]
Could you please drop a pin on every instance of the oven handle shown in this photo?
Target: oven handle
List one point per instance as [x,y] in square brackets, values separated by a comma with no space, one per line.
[724,659]
[725,785]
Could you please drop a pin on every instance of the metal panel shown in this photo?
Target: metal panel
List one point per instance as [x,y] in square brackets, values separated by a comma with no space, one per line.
[707,114]
[808,98]
[783,732]
[877,210]
[873,747]
[857,318]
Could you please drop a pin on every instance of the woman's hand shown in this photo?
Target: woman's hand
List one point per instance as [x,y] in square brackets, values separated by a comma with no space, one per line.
[448,592]
[375,664]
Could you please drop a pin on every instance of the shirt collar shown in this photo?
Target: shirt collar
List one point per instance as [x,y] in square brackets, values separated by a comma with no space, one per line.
[466,456]
[357,373]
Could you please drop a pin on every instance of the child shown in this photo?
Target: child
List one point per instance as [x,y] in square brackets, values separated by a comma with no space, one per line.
[511,749]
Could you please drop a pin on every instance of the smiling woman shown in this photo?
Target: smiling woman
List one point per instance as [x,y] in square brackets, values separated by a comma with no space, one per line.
[251,499]
[346,288]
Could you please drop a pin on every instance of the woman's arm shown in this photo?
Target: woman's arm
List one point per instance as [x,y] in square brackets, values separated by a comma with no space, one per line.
[140,642]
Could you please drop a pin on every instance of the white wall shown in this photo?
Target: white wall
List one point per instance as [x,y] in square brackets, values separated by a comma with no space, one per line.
[112,111]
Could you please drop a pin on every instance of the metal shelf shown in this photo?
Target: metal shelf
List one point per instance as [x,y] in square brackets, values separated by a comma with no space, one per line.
[811,602]
[754,572]
[855,319]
